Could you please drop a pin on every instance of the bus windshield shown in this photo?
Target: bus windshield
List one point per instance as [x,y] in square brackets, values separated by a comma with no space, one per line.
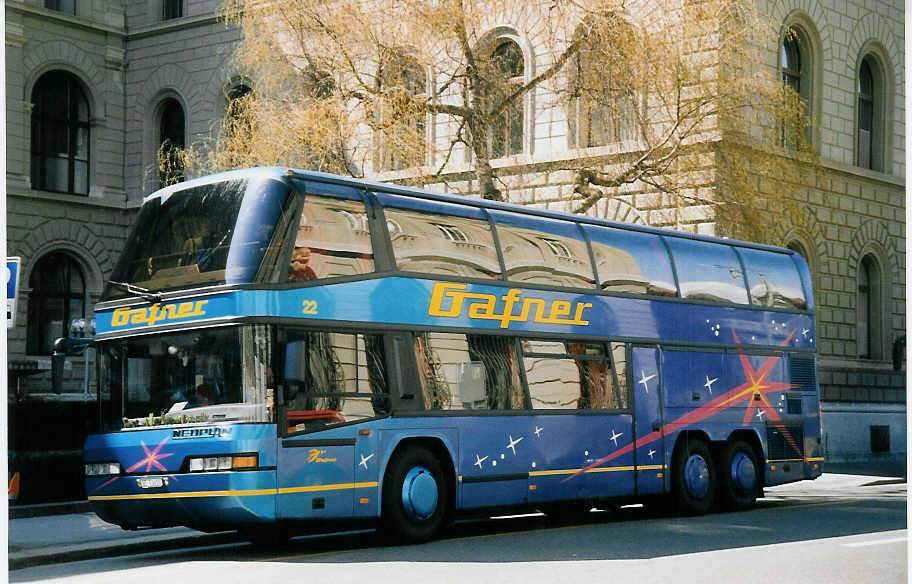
[204,376]
[209,234]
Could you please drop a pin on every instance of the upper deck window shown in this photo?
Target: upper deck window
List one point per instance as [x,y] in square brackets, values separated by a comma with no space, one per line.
[445,239]
[773,279]
[630,261]
[333,239]
[708,271]
[543,251]
[208,234]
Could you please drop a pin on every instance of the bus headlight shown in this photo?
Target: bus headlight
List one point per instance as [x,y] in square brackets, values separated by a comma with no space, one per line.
[95,469]
[223,463]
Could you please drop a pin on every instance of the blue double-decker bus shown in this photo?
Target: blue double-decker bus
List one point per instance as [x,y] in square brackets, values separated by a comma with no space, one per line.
[282,351]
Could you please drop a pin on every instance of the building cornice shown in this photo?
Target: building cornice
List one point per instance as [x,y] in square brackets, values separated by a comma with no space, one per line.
[173,25]
[106,202]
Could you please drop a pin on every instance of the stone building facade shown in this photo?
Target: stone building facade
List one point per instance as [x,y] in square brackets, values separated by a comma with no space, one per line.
[137,73]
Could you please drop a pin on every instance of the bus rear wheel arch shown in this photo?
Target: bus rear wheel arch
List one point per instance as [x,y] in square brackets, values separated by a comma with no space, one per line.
[740,475]
[417,496]
[693,476]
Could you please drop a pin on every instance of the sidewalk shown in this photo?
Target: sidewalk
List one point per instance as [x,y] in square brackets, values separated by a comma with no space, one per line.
[51,539]
[37,537]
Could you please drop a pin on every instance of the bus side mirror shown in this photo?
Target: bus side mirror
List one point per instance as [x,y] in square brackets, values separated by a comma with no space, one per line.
[295,362]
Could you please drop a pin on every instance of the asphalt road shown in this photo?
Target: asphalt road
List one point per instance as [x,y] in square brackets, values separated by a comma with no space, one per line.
[806,532]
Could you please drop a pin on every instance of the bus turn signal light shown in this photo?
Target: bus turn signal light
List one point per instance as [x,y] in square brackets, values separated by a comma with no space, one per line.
[223,463]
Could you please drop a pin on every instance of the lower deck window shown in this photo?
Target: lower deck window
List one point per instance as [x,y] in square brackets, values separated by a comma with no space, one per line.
[332,378]
[468,372]
[563,375]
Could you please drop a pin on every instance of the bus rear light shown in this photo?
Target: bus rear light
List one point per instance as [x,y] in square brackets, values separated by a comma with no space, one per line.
[222,463]
[95,469]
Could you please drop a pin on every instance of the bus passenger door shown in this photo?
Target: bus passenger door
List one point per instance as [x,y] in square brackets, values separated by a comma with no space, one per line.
[649,454]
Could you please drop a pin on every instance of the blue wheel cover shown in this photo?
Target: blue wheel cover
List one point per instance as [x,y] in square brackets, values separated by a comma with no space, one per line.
[419,494]
[696,476]
[743,473]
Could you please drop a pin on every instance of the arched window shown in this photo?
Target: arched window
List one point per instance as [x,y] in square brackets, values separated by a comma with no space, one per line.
[796,62]
[60,134]
[869,307]
[506,137]
[234,97]
[601,103]
[870,131]
[402,139]
[171,141]
[57,297]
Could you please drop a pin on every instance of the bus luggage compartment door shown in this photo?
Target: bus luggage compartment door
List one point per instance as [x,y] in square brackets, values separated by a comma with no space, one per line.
[315,478]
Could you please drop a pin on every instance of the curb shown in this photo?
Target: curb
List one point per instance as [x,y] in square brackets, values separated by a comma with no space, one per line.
[45,509]
[20,560]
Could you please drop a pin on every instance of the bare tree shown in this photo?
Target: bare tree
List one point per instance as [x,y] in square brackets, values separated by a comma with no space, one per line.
[357,86]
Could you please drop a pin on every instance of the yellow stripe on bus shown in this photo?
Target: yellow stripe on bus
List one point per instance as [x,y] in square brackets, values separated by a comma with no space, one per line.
[239,493]
[316,488]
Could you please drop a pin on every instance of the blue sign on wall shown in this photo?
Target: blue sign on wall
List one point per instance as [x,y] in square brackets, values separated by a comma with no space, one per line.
[12,289]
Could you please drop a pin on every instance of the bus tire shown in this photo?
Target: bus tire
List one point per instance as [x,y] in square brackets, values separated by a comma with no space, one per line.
[693,480]
[740,478]
[415,497]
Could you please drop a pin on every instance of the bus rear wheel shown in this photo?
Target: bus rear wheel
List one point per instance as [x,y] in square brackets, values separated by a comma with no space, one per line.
[693,479]
[415,497]
[740,480]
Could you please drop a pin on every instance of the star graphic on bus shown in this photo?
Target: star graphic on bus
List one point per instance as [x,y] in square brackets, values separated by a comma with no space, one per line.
[153,457]
[644,380]
[512,444]
[752,392]
[709,383]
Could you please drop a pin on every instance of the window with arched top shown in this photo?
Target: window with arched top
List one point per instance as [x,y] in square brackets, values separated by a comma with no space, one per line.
[57,297]
[506,136]
[60,134]
[171,141]
[869,152]
[400,116]
[602,106]
[869,307]
[796,61]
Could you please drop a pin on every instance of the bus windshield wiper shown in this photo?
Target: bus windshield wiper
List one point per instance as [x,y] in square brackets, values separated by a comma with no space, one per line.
[143,293]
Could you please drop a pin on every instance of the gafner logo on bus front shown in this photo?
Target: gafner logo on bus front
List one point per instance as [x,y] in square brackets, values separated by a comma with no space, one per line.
[450,300]
[157,313]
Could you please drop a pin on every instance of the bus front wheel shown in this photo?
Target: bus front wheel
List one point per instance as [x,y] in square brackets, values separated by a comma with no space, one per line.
[740,480]
[415,496]
[693,477]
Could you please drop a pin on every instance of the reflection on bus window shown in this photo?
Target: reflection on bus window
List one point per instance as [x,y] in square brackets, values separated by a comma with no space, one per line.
[629,261]
[773,280]
[449,245]
[468,372]
[570,376]
[708,271]
[332,378]
[543,251]
[333,239]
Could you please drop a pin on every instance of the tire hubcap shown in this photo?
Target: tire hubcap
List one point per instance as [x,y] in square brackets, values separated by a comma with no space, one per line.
[743,473]
[419,494]
[696,476]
